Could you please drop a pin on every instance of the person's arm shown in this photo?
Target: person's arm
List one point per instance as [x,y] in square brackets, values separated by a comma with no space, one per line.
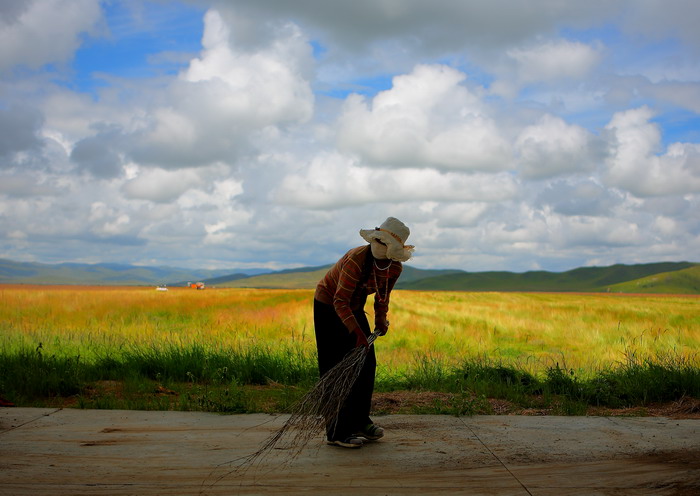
[348,278]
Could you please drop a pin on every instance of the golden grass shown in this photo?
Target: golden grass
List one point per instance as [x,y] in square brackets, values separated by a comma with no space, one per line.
[534,330]
[585,331]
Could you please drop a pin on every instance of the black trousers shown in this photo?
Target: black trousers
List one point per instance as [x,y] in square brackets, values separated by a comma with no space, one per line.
[333,342]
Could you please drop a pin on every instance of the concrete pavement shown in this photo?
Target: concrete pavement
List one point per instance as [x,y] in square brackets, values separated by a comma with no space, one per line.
[107,452]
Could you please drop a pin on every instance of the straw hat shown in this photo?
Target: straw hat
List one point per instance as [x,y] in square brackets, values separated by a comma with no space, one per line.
[393,233]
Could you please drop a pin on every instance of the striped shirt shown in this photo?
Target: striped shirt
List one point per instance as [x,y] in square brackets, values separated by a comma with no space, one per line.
[339,287]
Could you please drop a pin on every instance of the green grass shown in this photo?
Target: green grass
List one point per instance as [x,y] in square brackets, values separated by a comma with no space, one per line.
[240,350]
[686,281]
[262,379]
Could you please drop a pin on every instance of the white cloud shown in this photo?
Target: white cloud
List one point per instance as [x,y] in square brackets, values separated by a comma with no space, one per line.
[600,232]
[28,185]
[553,60]
[666,226]
[499,131]
[458,215]
[427,119]
[683,94]
[161,186]
[227,189]
[108,221]
[580,197]
[45,31]
[552,147]
[334,181]
[267,86]
[636,165]
[224,96]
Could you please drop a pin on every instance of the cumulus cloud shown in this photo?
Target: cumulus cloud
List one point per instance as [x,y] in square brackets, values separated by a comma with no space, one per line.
[19,131]
[585,197]
[427,119]
[334,180]
[270,81]
[457,215]
[27,185]
[678,207]
[682,94]
[37,32]
[100,154]
[553,60]
[552,147]
[600,232]
[636,165]
[226,94]
[438,26]
[108,221]
[161,186]
[508,135]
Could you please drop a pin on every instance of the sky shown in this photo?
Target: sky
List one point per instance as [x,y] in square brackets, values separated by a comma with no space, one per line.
[507,135]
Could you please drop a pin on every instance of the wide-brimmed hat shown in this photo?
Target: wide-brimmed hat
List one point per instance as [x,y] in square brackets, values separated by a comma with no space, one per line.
[393,233]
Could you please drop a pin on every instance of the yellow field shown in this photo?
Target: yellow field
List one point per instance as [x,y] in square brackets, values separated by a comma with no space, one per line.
[534,330]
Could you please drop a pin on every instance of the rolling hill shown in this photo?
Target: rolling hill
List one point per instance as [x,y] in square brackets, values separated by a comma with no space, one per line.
[686,281]
[663,277]
[586,279]
[304,278]
[582,279]
[308,278]
[99,274]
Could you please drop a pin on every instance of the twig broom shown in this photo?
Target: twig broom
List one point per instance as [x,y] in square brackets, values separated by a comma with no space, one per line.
[311,414]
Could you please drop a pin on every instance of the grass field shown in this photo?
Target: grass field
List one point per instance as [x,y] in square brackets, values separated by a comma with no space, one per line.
[59,342]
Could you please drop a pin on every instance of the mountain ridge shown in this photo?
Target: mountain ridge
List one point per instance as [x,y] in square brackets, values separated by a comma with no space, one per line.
[12,272]
[593,279]
[659,277]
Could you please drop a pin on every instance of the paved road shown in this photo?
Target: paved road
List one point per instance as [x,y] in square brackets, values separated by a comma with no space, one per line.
[82,452]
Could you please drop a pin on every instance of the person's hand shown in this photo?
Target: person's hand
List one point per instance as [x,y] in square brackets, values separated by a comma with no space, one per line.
[361,339]
[381,328]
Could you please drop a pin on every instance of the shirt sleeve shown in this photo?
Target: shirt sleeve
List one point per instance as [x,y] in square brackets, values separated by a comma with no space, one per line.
[348,278]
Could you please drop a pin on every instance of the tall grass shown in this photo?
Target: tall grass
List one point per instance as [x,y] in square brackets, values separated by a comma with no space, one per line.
[608,350]
[30,375]
[538,330]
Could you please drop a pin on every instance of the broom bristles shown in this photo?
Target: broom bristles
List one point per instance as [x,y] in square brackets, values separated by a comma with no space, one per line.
[310,415]
[317,408]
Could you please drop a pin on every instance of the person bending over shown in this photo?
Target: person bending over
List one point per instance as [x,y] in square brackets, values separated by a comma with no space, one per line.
[340,322]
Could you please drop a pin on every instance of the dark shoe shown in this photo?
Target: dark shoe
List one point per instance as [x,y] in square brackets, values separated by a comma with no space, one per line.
[371,432]
[348,442]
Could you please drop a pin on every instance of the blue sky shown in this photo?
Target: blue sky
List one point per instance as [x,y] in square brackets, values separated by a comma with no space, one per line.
[230,134]
[135,42]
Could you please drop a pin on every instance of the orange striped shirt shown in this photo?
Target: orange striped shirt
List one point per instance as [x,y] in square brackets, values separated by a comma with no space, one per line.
[339,287]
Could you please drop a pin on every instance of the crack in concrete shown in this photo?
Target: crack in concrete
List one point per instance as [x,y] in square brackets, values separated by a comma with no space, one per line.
[495,456]
[15,427]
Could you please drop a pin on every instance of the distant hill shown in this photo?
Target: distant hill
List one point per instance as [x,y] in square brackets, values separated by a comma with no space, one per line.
[411,274]
[219,281]
[593,279]
[304,278]
[686,281]
[99,274]
[664,277]
[581,279]
[307,278]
